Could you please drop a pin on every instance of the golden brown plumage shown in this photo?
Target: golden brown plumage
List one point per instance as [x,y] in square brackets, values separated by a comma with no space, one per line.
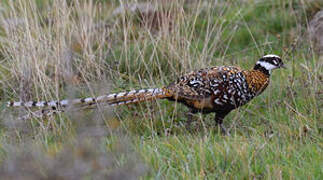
[257,81]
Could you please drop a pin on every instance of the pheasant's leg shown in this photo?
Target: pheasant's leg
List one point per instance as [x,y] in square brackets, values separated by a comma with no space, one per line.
[219,121]
[190,115]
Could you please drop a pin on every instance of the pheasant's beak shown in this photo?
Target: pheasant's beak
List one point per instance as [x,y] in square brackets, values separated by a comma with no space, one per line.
[282,66]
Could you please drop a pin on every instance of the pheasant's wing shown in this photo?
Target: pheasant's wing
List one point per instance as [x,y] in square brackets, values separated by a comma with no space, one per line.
[203,83]
[204,86]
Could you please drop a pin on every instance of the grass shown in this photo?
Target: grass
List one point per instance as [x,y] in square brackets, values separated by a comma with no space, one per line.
[70,49]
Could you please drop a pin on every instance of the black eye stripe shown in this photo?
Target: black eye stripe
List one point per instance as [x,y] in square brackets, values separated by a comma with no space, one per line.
[272,60]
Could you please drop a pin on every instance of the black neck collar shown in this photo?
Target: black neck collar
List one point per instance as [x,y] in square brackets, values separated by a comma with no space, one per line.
[262,69]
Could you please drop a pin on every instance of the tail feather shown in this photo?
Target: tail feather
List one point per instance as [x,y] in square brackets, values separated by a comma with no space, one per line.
[114,99]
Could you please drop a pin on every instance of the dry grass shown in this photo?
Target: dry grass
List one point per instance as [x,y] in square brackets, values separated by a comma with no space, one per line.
[70,49]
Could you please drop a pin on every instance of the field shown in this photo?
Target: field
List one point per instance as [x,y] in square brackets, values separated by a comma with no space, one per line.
[58,49]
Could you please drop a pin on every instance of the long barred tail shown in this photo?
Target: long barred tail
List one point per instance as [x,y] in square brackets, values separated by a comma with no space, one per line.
[111,99]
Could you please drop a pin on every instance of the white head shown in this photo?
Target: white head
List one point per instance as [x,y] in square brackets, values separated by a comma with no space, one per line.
[269,62]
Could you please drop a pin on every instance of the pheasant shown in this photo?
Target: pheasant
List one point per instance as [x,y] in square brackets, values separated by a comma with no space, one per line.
[218,89]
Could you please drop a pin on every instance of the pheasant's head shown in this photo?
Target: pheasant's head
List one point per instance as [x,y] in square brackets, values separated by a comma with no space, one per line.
[268,63]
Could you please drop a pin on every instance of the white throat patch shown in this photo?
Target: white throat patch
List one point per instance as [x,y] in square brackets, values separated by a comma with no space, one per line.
[267,65]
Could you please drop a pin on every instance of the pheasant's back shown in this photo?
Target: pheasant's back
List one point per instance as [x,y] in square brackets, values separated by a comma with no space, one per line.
[217,88]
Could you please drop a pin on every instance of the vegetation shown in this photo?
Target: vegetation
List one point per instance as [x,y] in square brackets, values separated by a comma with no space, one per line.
[71,48]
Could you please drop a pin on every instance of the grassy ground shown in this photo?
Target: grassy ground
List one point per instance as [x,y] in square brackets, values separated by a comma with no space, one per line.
[70,49]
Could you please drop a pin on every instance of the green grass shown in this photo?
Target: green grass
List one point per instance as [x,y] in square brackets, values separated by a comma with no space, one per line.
[72,49]
[187,157]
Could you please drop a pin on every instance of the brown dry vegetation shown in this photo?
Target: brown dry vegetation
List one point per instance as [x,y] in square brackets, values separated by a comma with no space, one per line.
[69,49]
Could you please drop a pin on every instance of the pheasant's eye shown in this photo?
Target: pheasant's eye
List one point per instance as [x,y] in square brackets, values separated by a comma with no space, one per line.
[275,61]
